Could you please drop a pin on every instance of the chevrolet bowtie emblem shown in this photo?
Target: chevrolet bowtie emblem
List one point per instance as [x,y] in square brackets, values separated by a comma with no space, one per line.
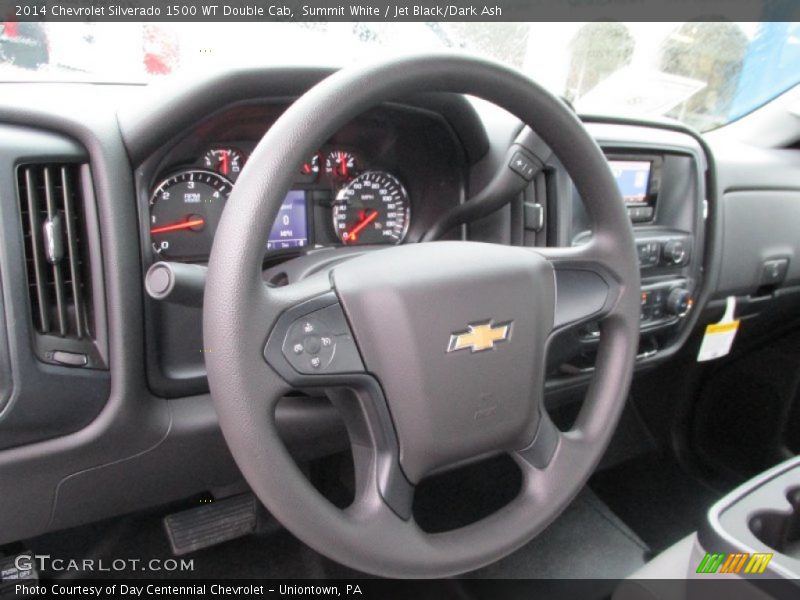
[480,337]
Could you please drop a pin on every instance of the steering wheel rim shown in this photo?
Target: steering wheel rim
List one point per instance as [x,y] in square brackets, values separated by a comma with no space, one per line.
[242,316]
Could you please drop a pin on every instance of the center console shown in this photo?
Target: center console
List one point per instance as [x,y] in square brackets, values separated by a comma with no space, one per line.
[748,547]
[759,520]
[660,177]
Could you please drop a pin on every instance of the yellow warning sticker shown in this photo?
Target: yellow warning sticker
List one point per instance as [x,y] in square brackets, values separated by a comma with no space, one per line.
[719,337]
[722,327]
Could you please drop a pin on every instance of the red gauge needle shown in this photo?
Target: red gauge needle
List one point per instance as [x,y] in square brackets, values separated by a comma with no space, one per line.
[343,164]
[189,224]
[352,235]
[225,166]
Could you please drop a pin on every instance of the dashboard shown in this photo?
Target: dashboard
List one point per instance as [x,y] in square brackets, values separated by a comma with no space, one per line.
[133,403]
[384,179]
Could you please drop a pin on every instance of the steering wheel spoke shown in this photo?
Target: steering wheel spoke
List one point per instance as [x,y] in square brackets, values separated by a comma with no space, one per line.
[379,479]
[587,285]
[541,450]
[311,346]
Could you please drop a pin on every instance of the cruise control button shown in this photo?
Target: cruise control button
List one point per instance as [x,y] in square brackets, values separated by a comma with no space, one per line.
[316,341]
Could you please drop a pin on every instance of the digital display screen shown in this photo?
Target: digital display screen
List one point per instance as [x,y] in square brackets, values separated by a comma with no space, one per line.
[633,178]
[290,229]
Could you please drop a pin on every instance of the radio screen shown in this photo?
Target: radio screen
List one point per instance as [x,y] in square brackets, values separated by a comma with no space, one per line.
[633,178]
[290,229]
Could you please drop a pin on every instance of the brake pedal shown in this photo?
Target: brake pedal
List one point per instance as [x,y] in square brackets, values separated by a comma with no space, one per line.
[211,524]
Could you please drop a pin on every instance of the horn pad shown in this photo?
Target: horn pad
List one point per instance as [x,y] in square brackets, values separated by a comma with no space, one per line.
[455,332]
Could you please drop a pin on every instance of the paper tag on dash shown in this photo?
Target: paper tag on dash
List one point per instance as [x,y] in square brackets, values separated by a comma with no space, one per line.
[719,337]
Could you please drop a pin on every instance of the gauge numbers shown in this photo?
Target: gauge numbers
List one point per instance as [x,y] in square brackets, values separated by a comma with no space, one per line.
[374,208]
[184,212]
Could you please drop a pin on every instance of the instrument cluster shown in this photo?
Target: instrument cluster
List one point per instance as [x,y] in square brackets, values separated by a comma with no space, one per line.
[338,198]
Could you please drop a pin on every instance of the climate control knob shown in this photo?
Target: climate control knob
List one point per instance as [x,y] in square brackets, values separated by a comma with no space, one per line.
[679,301]
[674,252]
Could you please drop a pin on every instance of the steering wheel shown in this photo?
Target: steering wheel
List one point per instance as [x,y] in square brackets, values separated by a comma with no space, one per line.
[434,352]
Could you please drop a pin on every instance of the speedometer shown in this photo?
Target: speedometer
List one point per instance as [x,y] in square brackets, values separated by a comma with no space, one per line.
[374,208]
[184,212]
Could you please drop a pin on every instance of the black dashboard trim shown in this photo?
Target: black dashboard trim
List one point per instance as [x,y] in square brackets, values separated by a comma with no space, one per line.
[155,120]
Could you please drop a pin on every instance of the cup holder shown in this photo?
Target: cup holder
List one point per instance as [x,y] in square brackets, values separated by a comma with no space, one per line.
[778,530]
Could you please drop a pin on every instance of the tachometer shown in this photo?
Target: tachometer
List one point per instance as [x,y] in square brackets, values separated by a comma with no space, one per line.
[184,212]
[374,208]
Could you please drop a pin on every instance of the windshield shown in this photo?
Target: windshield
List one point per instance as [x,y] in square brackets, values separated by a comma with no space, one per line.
[704,74]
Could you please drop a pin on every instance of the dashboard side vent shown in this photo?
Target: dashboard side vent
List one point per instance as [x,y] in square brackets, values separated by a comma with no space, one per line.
[51,198]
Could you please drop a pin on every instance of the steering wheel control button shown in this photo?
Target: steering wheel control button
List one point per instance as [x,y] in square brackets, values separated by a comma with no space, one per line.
[313,345]
[305,333]
[314,339]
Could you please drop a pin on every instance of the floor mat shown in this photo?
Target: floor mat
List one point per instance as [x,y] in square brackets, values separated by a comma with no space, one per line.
[586,541]
[653,496]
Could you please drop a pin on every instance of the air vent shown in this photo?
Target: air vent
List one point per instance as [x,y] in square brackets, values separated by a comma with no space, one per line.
[51,200]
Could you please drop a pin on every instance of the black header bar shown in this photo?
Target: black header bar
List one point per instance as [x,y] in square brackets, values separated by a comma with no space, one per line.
[398,10]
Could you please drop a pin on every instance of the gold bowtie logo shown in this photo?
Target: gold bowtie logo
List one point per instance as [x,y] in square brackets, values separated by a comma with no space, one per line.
[480,337]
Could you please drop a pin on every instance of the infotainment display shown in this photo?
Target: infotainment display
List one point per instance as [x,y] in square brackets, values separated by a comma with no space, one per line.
[290,229]
[633,179]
